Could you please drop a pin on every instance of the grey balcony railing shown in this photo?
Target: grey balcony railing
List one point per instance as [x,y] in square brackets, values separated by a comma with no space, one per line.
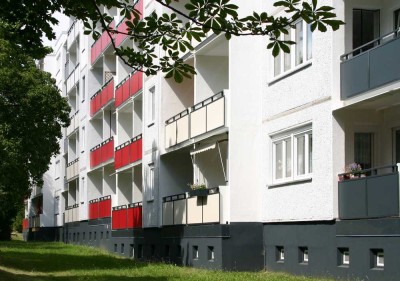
[371,65]
[372,196]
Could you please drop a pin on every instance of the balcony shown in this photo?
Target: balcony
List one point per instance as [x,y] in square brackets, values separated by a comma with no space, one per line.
[372,196]
[100,45]
[129,152]
[73,169]
[73,78]
[182,209]
[34,221]
[102,97]
[371,69]
[199,119]
[122,27]
[73,32]
[74,125]
[127,216]
[102,153]
[128,87]
[71,214]
[100,208]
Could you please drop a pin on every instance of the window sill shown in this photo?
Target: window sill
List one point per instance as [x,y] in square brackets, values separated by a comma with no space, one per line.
[290,72]
[292,182]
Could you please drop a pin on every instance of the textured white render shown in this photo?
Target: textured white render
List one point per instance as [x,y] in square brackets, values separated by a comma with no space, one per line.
[245,128]
[301,97]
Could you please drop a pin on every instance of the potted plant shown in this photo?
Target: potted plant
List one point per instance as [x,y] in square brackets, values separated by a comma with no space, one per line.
[198,189]
[354,169]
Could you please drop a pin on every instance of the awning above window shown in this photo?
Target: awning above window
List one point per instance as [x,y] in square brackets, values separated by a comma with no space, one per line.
[202,148]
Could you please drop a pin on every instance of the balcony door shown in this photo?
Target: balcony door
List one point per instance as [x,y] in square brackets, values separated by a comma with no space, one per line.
[364,149]
[365,28]
[396,145]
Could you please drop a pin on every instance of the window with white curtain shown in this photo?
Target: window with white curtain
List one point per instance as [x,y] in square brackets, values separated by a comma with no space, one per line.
[292,155]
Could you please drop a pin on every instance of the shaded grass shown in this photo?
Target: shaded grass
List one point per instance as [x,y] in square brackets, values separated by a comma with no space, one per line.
[57,261]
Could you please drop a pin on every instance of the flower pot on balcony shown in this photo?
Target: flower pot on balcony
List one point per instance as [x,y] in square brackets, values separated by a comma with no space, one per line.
[199,192]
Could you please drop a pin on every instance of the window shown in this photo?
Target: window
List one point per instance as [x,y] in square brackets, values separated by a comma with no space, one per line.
[303,254]
[396,18]
[292,155]
[210,253]
[83,139]
[57,205]
[343,257]
[195,251]
[150,183]
[365,28]
[377,258]
[57,169]
[280,253]
[83,88]
[300,53]
[151,105]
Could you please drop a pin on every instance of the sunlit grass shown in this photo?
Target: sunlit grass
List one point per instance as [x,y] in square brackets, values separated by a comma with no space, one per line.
[57,261]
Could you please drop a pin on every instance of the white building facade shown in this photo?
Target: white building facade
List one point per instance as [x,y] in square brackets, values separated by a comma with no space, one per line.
[269,138]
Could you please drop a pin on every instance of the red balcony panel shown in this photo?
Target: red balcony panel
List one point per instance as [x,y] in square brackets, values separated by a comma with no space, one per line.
[97,102]
[109,91]
[123,219]
[92,107]
[135,151]
[114,219]
[95,51]
[135,82]
[125,93]
[125,155]
[25,224]
[93,209]
[118,96]
[122,27]
[106,208]
[107,151]
[130,217]
[118,159]
[139,7]
[134,217]
[138,217]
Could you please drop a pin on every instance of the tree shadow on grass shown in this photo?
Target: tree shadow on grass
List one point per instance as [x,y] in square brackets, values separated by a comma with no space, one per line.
[7,276]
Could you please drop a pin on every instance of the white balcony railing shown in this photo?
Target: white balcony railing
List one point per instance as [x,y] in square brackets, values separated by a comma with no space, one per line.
[74,123]
[73,32]
[71,214]
[199,119]
[183,209]
[72,79]
[73,169]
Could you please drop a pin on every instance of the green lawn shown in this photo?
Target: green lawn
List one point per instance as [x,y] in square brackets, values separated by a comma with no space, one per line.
[57,261]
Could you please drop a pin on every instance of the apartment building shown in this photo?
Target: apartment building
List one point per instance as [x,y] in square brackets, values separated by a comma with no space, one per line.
[270,138]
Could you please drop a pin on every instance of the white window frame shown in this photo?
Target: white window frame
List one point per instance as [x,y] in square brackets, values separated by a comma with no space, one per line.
[83,89]
[150,182]
[305,255]
[346,257]
[293,67]
[151,105]
[380,259]
[57,172]
[293,135]
[83,139]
